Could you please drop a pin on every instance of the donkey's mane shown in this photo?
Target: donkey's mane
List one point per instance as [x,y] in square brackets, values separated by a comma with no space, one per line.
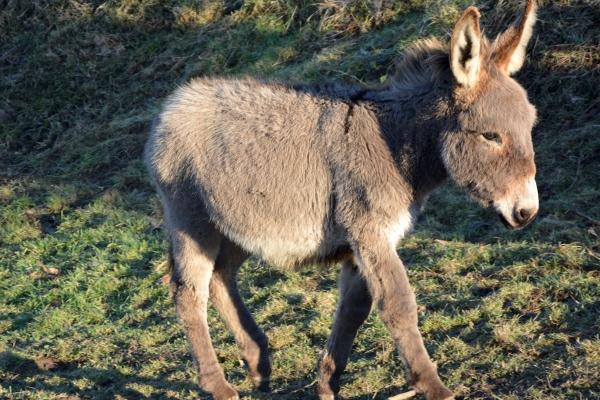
[421,64]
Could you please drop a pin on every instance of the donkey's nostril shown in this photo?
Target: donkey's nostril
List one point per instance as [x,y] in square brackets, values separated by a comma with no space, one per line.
[524,215]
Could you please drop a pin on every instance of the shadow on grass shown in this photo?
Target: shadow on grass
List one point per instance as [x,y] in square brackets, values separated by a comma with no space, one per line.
[105,383]
[59,378]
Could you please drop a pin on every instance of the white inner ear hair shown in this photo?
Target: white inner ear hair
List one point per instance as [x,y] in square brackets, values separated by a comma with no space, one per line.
[466,61]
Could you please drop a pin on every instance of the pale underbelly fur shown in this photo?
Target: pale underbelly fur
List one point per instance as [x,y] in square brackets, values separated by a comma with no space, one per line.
[309,243]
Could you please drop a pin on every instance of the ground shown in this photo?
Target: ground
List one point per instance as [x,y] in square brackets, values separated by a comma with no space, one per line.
[83,310]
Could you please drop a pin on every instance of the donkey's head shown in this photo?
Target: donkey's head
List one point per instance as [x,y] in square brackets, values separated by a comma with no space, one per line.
[488,150]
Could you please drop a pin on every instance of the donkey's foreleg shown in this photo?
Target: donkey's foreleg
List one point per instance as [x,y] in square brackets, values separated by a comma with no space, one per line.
[193,261]
[395,299]
[226,298]
[353,308]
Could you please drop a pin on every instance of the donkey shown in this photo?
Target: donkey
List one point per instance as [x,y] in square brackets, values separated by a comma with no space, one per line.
[300,173]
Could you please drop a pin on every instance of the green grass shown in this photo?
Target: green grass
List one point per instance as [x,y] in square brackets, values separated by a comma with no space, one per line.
[83,312]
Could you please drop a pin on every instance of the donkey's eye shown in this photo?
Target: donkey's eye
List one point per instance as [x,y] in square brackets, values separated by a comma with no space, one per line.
[492,137]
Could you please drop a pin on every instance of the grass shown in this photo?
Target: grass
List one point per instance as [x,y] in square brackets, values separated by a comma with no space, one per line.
[83,310]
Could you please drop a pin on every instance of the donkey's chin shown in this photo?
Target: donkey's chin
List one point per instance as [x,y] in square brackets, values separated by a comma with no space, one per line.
[507,223]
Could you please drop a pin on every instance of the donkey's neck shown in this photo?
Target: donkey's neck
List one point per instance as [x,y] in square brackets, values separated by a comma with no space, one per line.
[411,125]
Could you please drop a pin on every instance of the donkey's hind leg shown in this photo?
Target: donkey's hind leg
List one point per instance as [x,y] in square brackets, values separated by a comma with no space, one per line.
[194,252]
[226,298]
[353,308]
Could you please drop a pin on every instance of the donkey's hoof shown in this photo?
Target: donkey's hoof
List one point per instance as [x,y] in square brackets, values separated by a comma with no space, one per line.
[226,392]
[262,384]
[234,397]
[441,393]
[324,391]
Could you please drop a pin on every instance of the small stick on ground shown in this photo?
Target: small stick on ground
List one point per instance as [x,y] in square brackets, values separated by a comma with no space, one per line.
[405,395]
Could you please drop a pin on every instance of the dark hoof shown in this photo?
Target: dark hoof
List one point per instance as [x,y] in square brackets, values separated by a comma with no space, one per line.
[263,385]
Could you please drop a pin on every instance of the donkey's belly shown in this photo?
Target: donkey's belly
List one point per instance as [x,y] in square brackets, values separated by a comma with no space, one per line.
[289,256]
[282,252]
[299,244]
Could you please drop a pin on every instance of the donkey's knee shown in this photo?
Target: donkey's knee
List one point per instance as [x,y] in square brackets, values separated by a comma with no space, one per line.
[399,310]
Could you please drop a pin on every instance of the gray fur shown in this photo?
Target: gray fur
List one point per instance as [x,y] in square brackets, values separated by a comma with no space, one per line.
[298,174]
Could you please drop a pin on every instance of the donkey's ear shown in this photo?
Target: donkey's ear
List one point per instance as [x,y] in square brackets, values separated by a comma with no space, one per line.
[509,48]
[465,48]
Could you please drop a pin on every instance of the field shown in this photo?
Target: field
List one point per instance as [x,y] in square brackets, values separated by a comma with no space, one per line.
[84,312]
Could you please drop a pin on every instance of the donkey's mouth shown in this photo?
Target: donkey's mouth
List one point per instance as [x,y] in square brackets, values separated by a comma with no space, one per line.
[508,224]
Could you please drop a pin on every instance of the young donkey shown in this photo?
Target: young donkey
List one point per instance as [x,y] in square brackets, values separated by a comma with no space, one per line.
[298,174]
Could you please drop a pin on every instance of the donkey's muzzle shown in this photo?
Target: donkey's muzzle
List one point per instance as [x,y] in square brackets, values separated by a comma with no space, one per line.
[521,207]
[520,219]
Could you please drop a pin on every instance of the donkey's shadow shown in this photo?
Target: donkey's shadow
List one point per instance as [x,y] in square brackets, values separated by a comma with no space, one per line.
[110,383]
